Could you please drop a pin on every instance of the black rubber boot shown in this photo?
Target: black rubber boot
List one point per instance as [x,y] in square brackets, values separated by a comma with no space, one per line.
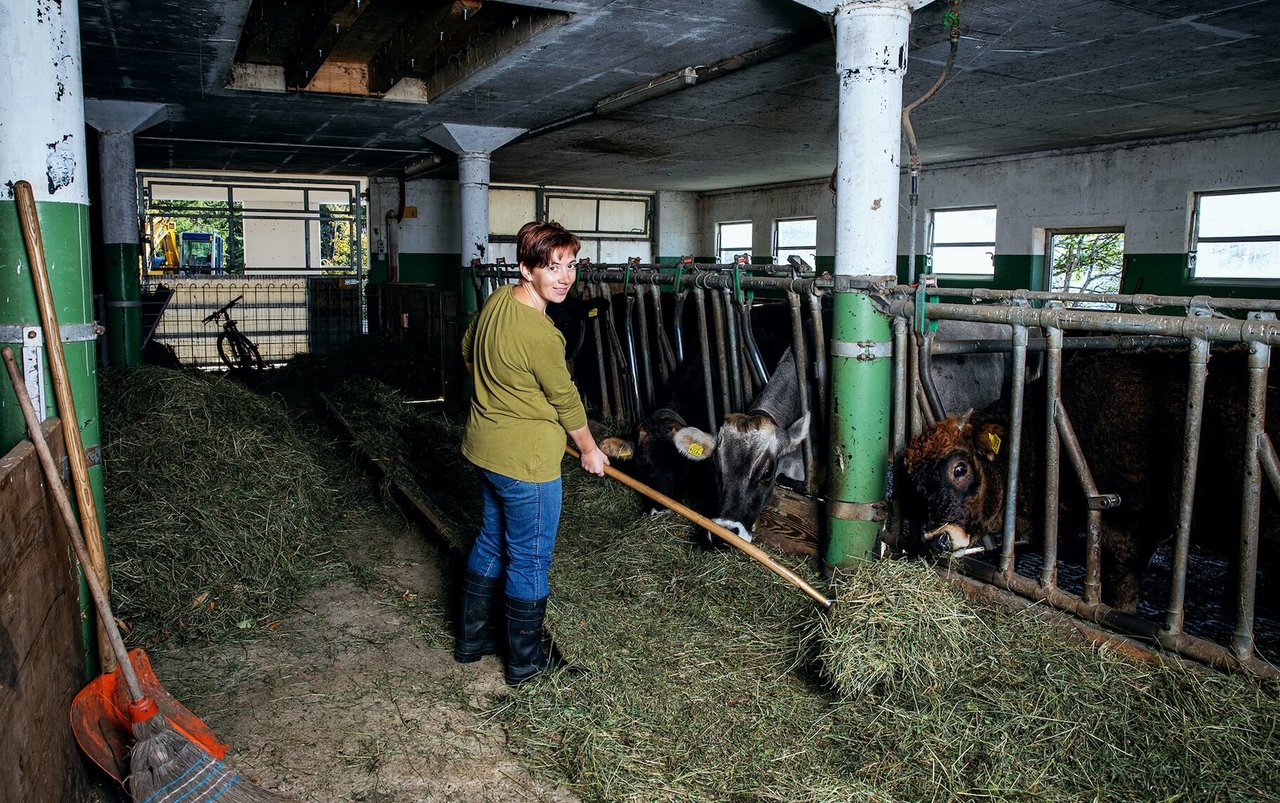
[525,655]
[475,632]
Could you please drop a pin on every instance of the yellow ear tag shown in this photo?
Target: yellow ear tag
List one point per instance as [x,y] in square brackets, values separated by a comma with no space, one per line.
[994,440]
[593,313]
[695,449]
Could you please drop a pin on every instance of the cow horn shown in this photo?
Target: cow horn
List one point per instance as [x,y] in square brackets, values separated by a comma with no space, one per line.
[964,418]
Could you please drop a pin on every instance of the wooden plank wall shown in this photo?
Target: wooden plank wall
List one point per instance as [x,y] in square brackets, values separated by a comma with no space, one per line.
[41,662]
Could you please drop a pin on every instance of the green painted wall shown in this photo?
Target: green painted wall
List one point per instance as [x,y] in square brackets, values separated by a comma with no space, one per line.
[441,269]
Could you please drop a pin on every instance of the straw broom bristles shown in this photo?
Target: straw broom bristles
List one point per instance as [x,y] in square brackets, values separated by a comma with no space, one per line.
[166,767]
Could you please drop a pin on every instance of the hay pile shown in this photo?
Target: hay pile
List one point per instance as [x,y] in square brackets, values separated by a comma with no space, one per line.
[418,446]
[220,507]
[712,680]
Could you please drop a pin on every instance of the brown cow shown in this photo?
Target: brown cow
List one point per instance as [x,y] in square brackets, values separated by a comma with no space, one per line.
[1128,411]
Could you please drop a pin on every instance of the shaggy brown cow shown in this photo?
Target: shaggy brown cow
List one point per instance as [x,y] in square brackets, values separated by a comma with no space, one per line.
[1128,411]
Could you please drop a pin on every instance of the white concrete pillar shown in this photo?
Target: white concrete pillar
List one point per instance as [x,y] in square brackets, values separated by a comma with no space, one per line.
[473,186]
[473,144]
[871,62]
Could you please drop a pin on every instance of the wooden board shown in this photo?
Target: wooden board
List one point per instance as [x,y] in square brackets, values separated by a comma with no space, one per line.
[791,524]
[41,663]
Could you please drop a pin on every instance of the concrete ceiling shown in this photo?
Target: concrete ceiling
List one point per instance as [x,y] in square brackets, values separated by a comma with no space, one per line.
[350,86]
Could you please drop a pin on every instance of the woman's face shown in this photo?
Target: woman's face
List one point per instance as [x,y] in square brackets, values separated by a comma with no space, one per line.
[553,281]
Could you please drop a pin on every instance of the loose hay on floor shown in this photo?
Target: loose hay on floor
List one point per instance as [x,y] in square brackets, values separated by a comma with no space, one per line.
[711,679]
[221,508]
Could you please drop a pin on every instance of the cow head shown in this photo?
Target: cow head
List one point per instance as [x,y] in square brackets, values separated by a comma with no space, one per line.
[749,453]
[956,473]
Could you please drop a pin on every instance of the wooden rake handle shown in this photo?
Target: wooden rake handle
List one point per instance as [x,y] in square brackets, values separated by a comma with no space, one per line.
[54,480]
[30,224]
[754,552]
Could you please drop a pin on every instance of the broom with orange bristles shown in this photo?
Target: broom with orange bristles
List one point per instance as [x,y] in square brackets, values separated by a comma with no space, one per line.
[164,765]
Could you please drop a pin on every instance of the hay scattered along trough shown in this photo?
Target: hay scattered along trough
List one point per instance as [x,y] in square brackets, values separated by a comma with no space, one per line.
[220,509]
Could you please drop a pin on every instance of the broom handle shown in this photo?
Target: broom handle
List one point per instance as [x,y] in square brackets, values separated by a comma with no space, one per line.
[54,481]
[30,224]
[754,552]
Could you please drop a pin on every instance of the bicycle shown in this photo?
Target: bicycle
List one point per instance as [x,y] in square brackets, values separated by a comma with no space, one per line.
[237,351]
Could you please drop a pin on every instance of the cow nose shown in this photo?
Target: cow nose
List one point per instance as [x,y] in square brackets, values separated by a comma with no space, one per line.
[943,542]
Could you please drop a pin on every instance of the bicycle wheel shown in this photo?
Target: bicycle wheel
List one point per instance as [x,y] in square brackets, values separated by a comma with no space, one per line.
[238,352]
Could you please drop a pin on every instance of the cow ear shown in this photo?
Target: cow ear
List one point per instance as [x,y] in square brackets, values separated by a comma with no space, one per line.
[797,432]
[990,440]
[596,308]
[618,449]
[694,444]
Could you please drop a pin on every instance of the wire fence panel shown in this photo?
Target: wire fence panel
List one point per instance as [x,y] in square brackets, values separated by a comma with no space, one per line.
[283,316]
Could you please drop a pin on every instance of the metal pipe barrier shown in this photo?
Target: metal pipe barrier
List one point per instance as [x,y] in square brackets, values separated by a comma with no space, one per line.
[1202,325]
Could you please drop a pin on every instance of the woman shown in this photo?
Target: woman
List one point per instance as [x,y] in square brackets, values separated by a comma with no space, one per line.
[524,403]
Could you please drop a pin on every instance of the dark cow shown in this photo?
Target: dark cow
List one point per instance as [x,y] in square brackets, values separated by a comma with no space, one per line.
[1127,410]
[572,317]
[652,455]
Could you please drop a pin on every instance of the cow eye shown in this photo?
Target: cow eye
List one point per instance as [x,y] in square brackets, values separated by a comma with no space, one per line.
[960,469]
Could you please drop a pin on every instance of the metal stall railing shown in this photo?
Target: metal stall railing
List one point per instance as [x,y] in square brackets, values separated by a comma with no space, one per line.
[1205,322]
[710,313]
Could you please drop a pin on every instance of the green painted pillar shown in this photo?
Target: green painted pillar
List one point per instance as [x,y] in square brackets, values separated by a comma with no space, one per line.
[861,367]
[42,141]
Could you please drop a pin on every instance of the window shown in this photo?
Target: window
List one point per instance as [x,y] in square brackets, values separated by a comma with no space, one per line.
[797,237]
[732,239]
[1236,236]
[964,241]
[1086,262]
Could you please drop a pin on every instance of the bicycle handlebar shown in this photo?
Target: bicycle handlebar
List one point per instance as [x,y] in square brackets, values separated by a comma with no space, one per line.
[223,309]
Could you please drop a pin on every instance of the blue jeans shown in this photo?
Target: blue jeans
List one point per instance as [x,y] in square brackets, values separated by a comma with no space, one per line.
[517,533]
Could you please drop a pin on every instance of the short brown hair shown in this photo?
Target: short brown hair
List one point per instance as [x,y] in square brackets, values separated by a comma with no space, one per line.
[536,241]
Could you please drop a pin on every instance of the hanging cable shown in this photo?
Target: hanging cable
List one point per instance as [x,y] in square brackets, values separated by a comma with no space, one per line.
[951,20]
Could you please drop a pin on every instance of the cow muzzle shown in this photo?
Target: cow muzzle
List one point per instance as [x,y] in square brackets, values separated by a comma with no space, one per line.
[948,538]
[735,527]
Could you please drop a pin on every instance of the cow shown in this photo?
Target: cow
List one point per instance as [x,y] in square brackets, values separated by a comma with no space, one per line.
[572,317]
[752,450]
[651,453]
[1127,410]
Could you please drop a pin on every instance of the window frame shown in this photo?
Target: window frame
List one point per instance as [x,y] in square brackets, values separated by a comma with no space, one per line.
[720,249]
[933,244]
[1194,239]
[811,248]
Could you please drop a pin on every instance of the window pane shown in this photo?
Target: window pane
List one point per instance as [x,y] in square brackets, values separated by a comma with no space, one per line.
[797,233]
[575,214]
[735,236]
[964,226]
[511,209]
[968,260]
[807,254]
[623,216]
[1247,214]
[1237,261]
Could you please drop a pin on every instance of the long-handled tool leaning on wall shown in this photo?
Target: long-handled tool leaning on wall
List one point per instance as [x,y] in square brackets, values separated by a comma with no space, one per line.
[30,224]
[166,764]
